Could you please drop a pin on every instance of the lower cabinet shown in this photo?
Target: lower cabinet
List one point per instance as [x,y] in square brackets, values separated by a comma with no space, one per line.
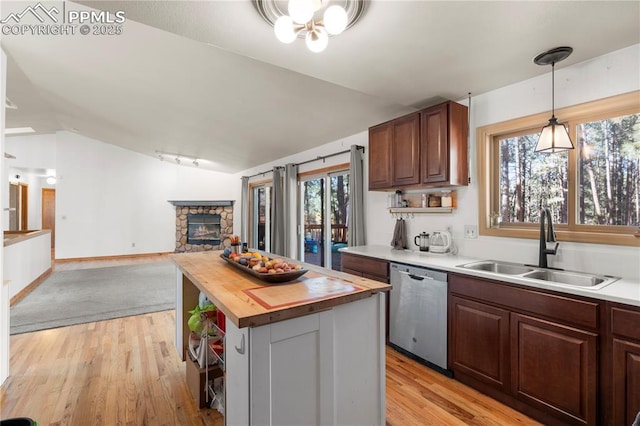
[480,341]
[625,343]
[542,363]
[322,368]
[553,368]
[373,269]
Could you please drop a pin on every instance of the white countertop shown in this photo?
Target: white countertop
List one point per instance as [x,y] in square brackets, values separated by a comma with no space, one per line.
[621,291]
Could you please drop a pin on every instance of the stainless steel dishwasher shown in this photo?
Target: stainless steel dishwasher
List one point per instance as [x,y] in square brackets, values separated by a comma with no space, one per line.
[418,314]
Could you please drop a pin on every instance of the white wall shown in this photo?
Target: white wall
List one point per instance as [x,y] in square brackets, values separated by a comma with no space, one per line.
[4,186]
[25,261]
[608,75]
[109,198]
[35,160]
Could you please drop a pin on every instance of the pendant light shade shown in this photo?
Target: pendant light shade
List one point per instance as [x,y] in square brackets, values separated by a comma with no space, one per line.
[554,137]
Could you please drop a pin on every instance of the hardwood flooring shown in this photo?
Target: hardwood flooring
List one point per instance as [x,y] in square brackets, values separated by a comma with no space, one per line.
[126,371]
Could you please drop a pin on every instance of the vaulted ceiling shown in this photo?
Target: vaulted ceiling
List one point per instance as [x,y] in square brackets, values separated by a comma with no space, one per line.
[208,79]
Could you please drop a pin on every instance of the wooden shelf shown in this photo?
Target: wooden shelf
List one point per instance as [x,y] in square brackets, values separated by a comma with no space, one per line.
[404,210]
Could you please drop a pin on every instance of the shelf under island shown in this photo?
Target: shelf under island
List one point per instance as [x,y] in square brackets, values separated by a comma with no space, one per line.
[309,351]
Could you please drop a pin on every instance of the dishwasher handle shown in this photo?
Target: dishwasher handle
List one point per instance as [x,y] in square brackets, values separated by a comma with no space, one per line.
[416,277]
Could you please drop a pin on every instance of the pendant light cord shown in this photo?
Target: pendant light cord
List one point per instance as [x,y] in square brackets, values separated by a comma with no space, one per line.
[553,89]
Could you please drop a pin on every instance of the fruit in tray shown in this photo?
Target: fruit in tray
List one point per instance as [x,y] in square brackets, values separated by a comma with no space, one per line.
[262,264]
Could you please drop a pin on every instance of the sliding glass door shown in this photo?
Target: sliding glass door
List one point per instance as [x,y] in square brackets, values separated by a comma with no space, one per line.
[261,218]
[325,203]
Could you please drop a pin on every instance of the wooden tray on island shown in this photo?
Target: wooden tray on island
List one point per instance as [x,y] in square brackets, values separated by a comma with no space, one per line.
[279,277]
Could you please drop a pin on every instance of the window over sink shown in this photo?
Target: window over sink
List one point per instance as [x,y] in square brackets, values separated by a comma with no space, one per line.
[592,191]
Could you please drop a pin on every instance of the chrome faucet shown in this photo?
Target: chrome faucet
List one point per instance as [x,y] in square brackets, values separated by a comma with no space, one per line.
[550,238]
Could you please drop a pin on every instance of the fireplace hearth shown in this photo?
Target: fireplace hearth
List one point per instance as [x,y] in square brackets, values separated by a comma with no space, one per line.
[203,225]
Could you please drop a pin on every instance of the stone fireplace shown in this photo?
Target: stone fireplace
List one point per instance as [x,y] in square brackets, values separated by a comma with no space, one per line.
[203,225]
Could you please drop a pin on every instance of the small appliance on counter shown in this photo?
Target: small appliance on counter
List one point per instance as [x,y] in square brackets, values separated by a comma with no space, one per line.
[440,242]
[422,241]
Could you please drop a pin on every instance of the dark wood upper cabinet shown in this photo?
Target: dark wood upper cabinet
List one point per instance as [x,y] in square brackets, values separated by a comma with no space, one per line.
[405,153]
[423,149]
[443,145]
[380,139]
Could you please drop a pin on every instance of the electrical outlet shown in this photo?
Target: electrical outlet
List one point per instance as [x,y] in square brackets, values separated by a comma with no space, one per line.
[133,244]
[470,231]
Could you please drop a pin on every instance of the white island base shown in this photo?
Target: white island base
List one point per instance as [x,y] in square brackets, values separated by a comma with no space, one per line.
[323,368]
[326,368]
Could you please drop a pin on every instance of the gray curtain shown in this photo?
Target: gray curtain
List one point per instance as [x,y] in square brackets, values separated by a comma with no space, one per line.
[278,217]
[291,210]
[244,210]
[355,216]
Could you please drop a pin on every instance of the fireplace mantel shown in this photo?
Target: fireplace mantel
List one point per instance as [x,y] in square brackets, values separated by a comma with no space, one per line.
[210,203]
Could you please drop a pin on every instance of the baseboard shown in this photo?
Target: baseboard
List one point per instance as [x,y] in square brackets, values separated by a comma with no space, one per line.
[115,257]
[32,286]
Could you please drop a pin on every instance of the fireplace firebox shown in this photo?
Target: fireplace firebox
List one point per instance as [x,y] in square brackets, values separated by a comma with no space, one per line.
[203,229]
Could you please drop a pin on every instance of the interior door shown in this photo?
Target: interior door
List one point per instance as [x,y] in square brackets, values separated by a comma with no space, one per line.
[24,207]
[49,212]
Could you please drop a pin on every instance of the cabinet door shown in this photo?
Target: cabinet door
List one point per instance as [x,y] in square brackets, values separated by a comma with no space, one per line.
[626,381]
[434,148]
[405,151]
[553,368]
[479,341]
[236,354]
[380,138]
[292,371]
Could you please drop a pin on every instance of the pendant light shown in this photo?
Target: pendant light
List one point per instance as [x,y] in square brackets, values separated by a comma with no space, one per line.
[554,137]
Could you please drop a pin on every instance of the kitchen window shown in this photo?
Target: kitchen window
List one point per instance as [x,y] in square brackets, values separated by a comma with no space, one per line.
[592,191]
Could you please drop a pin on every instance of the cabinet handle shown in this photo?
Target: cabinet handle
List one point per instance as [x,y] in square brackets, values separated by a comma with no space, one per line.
[240,349]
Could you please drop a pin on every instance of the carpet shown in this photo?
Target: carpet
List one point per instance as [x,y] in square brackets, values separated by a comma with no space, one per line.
[88,295]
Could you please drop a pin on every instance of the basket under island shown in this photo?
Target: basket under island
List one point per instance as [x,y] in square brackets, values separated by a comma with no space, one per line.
[305,352]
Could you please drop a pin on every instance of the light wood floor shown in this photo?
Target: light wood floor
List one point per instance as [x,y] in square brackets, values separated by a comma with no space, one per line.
[126,371]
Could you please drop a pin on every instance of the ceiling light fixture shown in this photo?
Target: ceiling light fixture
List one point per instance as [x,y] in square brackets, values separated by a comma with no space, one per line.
[51,180]
[18,130]
[554,137]
[179,158]
[9,104]
[313,20]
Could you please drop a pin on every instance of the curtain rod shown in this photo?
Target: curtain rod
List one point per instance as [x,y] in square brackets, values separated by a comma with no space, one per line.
[320,157]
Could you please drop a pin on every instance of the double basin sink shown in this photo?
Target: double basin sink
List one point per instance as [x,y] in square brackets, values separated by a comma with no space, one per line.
[550,276]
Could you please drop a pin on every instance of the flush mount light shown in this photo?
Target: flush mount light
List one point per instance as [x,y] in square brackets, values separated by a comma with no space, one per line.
[51,180]
[554,137]
[312,20]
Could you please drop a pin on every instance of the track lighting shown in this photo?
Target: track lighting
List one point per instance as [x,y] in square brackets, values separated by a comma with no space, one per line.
[179,158]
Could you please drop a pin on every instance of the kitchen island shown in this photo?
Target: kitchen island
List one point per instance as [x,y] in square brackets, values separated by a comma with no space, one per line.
[309,351]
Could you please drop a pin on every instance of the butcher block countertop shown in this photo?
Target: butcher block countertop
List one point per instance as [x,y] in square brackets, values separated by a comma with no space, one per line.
[249,302]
